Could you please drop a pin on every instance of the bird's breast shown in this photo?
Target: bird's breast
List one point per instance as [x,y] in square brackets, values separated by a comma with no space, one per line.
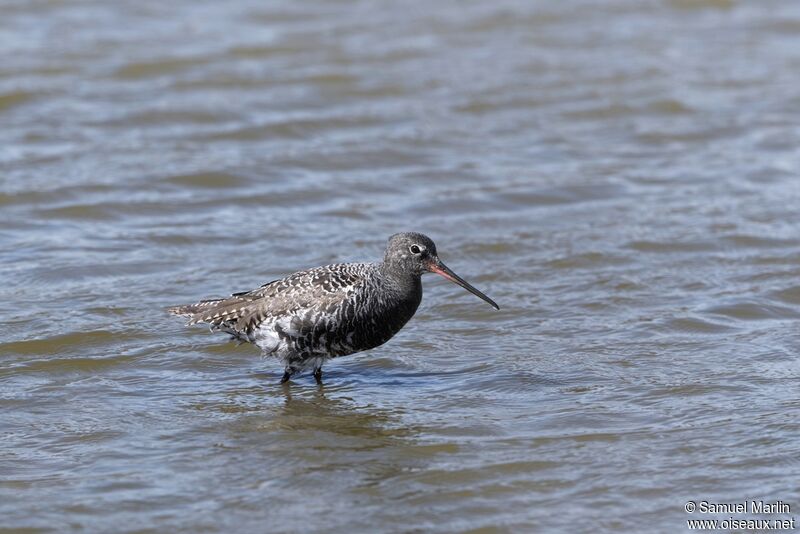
[378,321]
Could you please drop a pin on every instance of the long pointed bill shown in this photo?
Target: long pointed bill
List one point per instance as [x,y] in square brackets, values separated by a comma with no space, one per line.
[436,266]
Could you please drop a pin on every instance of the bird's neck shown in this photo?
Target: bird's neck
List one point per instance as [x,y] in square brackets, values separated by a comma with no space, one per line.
[400,281]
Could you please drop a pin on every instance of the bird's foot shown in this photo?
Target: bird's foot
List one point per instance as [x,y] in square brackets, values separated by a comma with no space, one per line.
[318,375]
[286,376]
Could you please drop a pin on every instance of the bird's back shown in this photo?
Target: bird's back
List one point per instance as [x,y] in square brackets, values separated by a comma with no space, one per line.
[314,292]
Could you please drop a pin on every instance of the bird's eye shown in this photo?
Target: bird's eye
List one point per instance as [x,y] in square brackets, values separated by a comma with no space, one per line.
[415,249]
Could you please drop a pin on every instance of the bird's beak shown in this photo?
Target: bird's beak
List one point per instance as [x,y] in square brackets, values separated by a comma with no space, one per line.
[436,266]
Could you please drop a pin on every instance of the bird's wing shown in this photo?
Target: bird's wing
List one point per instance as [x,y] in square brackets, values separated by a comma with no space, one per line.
[322,289]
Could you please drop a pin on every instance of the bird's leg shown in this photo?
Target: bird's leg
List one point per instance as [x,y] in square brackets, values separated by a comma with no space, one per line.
[318,375]
[288,371]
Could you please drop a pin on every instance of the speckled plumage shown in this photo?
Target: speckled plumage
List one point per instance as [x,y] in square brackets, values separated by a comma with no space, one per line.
[326,312]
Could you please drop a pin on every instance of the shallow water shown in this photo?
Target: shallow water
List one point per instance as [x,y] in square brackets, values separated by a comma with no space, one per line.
[621,177]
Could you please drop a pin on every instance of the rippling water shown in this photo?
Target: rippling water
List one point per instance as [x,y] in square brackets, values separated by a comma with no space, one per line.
[622,177]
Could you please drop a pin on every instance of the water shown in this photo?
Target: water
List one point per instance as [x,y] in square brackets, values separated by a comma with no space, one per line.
[620,176]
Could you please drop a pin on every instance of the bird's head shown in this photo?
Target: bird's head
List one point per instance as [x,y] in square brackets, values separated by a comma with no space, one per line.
[415,254]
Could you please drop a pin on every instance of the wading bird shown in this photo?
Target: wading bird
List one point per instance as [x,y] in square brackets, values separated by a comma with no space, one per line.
[322,313]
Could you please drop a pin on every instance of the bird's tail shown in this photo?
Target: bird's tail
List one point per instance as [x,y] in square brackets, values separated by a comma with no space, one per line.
[189,310]
[231,315]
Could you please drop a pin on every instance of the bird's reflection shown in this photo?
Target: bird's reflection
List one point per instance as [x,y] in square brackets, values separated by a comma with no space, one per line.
[302,430]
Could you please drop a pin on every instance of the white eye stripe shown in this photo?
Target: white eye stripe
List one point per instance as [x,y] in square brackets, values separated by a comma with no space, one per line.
[416,249]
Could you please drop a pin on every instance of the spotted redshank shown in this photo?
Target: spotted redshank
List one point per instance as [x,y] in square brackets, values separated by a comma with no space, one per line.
[314,315]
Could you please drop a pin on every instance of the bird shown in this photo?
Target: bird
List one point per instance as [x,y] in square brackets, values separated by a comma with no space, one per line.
[318,314]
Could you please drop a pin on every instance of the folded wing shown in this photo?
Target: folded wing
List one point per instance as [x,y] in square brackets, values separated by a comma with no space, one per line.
[321,289]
